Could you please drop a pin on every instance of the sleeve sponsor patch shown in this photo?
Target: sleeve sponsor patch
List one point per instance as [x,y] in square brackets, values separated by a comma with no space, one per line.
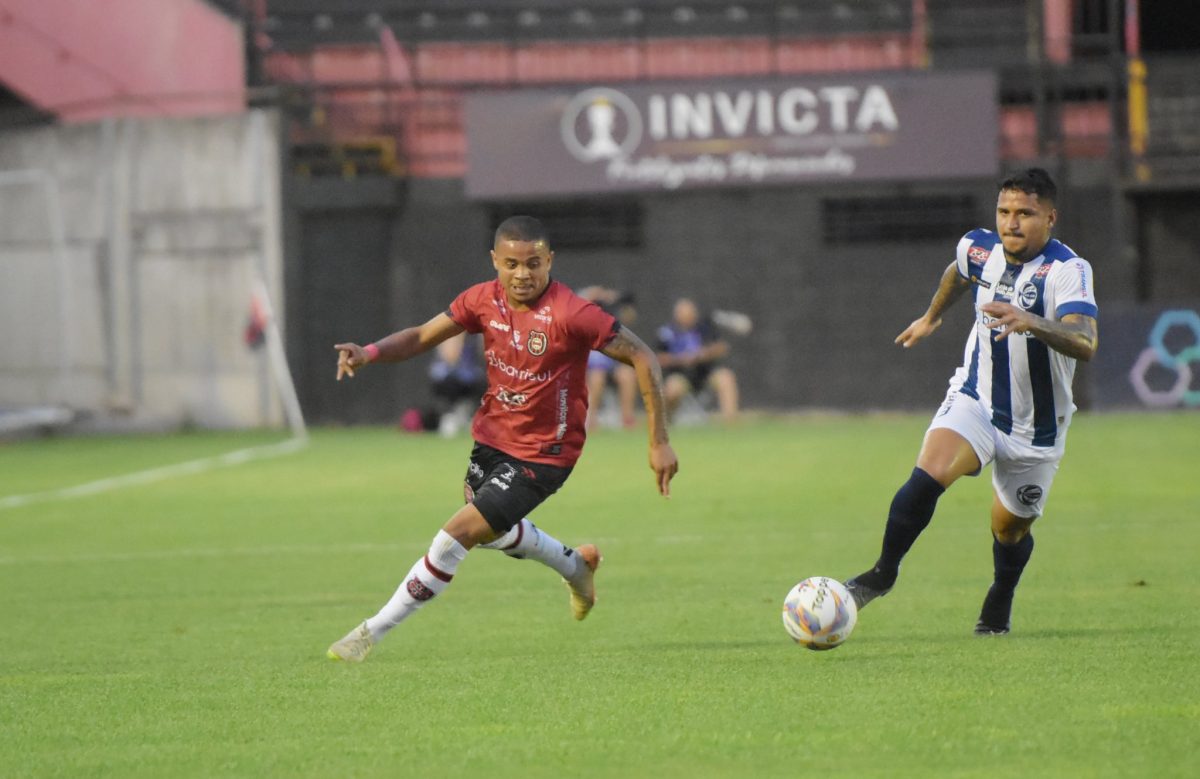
[978,255]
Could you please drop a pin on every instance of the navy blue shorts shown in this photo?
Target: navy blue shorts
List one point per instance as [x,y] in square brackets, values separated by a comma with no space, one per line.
[506,489]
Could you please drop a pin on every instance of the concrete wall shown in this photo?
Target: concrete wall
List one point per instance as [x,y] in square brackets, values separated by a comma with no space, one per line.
[138,312]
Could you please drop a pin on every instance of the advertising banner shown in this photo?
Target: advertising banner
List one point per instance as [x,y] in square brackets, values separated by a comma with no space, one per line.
[677,135]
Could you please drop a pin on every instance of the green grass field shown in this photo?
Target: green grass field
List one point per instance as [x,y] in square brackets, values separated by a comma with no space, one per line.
[179,628]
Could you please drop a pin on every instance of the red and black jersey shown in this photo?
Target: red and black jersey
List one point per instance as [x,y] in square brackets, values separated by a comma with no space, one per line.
[536,402]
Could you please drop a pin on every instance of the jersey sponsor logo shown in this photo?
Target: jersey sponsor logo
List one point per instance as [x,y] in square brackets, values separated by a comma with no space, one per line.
[543,315]
[1028,295]
[1029,494]
[499,326]
[520,374]
[562,414]
[978,255]
[511,399]
[1004,290]
[516,340]
[987,321]
[1043,270]
[1083,285]
[537,343]
[980,282]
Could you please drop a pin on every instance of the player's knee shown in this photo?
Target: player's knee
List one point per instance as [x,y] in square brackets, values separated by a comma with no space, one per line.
[1011,533]
[469,528]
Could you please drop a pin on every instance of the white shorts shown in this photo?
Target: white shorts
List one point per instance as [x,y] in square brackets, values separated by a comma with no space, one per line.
[1023,472]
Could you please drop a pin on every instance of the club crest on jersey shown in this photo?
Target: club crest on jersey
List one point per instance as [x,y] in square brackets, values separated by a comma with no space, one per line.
[537,343]
[978,255]
[1028,295]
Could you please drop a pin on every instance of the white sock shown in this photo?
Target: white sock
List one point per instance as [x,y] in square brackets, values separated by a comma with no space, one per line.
[429,576]
[526,540]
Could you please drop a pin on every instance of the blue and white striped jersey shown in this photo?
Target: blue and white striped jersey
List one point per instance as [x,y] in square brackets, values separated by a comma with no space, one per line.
[1025,384]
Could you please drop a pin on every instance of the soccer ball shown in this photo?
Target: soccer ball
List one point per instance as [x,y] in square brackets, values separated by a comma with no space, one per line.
[819,613]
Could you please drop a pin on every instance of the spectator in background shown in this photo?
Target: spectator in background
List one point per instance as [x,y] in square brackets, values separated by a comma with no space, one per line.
[602,369]
[690,352]
[458,382]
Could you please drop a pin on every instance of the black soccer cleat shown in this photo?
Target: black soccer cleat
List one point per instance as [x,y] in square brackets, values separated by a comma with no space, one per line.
[868,586]
[995,618]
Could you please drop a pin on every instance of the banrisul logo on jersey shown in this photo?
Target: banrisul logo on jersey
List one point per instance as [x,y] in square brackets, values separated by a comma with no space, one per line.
[671,136]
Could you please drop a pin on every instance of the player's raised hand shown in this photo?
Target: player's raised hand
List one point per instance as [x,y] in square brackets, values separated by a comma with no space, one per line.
[1008,317]
[350,356]
[917,331]
[665,465]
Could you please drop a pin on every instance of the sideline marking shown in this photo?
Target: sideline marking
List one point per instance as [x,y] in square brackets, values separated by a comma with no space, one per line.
[237,457]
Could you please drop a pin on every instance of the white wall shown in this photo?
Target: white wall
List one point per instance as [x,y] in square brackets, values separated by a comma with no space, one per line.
[138,313]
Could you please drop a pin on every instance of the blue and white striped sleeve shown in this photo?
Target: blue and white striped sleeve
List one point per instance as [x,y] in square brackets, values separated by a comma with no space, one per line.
[1074,289]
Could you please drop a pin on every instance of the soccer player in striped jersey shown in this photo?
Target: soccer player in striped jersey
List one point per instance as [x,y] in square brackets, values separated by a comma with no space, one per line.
[529,429]
[1010,402]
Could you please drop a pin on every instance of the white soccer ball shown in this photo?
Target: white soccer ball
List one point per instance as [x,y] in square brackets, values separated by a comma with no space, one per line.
[819,613]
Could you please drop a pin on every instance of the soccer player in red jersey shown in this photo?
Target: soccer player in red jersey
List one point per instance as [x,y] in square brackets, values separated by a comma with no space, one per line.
[530,426]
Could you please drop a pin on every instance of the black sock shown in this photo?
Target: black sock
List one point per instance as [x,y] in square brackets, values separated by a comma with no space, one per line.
[1009,561]
[911,510]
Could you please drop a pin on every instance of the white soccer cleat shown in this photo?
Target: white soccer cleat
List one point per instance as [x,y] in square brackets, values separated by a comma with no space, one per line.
[583,584]
[354,648]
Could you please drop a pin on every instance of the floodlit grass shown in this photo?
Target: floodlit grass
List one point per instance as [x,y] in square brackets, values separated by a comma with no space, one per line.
[179,628]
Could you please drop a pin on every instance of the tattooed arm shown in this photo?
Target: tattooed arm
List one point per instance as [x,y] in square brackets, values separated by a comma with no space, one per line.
[949,290]
[629,349]
[1075,335]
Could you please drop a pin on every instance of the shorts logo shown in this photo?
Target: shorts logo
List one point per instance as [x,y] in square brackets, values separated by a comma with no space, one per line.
[417,589]
[978,255]
[537,343]
[528,473]
[1028,295]
[1029,495]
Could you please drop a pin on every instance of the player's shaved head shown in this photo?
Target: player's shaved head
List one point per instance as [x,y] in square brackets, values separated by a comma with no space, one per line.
[1032,181]
[525,229]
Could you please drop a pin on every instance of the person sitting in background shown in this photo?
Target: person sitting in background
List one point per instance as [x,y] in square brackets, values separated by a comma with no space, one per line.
[602,369]
[690,352]
[458,381]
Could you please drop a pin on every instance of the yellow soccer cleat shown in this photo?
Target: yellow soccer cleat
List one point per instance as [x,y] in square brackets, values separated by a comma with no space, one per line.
[583,584]
[354,648]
